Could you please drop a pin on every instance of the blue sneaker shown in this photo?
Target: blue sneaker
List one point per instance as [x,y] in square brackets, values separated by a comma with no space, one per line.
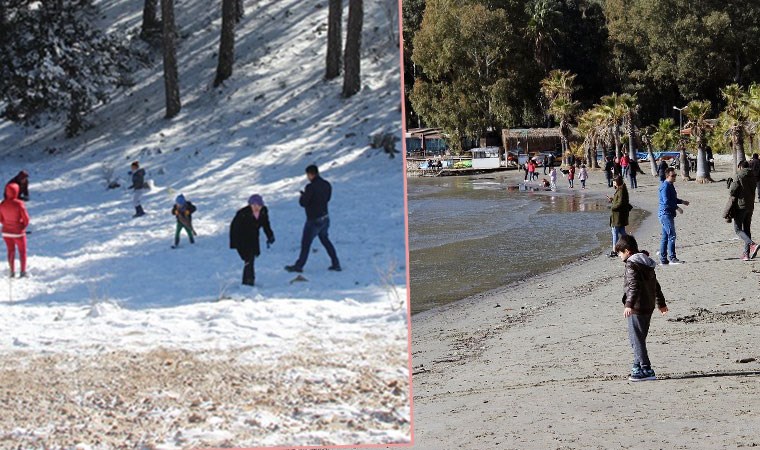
[642,374]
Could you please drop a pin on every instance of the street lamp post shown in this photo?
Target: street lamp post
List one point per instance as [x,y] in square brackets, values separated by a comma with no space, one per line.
[680,117]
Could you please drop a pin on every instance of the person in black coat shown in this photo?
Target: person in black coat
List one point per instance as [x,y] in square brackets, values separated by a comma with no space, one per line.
[314,199]
[22,179]
[244,234]
[662,168]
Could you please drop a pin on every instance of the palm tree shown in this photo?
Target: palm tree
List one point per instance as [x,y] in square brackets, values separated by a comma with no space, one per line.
[753,97]
[696,111]
[558,89]
[613,108]
[666,135]
[646,138]
[737,112]
[629,104]
[543,15]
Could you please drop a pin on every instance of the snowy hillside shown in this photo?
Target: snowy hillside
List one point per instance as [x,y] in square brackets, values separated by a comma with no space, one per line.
[101,281]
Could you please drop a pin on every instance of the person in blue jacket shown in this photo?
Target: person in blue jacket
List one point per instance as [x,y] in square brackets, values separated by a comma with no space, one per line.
[669,202]
[314,199]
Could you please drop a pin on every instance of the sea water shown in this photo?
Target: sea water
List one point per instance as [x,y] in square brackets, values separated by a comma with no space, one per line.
[472,234]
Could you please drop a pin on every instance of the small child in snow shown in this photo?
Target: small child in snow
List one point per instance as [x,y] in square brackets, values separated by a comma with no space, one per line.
[642,293]
[183,210]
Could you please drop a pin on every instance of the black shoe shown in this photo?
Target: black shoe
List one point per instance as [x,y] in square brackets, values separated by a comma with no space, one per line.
[293,268]
[249,282]
[612,255]
[334,268]
[22,275]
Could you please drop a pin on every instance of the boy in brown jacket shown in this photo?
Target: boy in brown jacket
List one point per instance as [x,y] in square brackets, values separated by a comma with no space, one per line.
[642,293]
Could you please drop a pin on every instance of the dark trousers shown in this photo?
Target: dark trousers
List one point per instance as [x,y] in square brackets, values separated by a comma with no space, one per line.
[316,228]
[634,184]
[638,328]
[742,225]
[249,275]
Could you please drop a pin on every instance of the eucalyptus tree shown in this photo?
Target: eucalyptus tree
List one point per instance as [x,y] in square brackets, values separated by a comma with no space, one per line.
[476,69]
[696,111]
[737,114]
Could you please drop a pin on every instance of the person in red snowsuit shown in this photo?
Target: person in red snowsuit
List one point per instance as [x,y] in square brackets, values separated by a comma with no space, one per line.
[14,219]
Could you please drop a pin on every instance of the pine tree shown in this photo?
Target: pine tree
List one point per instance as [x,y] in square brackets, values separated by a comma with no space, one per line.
[226,42]
[171,77]
[334,30]
[151,26]
[352,56]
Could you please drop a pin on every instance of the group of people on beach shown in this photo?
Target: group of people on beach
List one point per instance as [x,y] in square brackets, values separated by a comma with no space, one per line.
[642,292]
[244,229]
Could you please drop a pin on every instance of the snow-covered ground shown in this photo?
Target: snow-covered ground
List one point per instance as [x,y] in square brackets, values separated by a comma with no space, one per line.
[101,281]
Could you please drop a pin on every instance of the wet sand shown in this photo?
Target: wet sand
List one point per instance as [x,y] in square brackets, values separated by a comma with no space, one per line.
[544,363]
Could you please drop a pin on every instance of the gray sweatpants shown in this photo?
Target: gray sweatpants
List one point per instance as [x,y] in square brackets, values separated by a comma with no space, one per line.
[638,328]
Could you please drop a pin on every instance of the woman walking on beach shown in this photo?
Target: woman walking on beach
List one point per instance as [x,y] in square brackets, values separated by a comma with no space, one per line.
[619,212]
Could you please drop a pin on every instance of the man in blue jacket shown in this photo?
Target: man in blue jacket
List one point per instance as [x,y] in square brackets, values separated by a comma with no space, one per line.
[314,199]
[669,202]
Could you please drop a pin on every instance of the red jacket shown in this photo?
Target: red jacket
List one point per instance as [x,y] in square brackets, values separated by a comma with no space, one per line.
[13,215]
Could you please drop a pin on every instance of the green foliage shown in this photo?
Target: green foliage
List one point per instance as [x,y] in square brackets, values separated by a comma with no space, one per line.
[475,76]
[666,136]
[669,51]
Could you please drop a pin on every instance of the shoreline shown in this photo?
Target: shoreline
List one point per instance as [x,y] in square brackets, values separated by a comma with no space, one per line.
[604,240]
[545,365]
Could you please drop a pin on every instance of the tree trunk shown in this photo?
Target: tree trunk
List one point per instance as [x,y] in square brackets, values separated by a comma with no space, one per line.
[171,77]
[631,146]
[151,26]
[739,147]
[616,136]
[352,56]
[334,30]
[684,163]
[703,167]
[239,10]
[226,42]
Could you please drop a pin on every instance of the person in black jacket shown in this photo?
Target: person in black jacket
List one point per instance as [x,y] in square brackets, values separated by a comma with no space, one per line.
[314,199]
[140,187]
[22,179]
[244,234]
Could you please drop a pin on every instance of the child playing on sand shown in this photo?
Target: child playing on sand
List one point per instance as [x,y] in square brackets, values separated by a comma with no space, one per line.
[553,178]
[642,292]
[583,176]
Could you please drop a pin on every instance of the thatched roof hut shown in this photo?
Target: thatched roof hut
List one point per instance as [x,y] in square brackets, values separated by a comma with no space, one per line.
[534,139]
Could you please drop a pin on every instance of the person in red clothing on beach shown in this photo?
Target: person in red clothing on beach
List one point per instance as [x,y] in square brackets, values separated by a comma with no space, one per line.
[15,219]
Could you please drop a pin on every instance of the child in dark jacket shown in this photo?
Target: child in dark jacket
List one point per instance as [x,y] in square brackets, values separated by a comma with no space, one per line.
[642,294]
[183,210]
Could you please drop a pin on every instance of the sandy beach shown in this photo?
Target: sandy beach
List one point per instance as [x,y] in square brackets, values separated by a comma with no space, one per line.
[544,363]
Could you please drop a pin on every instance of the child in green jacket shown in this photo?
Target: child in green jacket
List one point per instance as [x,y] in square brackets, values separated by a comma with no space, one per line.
[183,210]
